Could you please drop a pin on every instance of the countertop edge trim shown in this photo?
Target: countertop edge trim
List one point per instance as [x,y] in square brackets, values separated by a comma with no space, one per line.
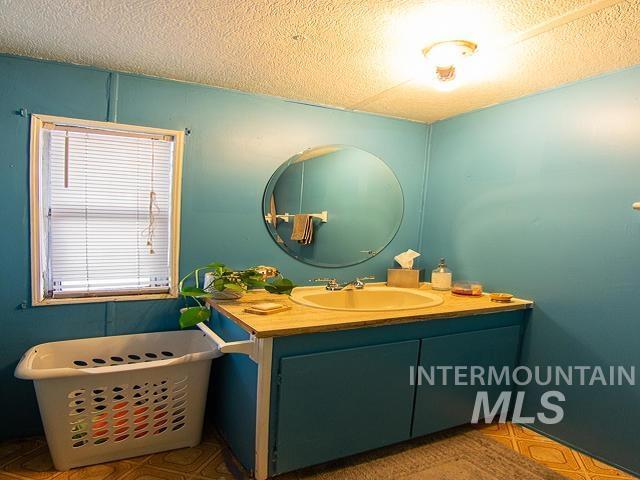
[378,322]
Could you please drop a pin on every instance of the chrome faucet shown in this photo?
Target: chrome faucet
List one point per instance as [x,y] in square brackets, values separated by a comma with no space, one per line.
[358,283]
[332,284]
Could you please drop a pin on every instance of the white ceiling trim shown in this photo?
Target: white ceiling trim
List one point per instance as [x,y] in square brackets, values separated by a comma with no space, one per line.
[536,30]
[563,19]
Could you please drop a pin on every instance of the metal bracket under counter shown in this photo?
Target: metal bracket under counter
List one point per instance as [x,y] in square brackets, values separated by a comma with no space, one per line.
[260,351]
[246,347]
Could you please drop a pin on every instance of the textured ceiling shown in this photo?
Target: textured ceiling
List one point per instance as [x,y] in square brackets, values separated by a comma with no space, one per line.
[358,54]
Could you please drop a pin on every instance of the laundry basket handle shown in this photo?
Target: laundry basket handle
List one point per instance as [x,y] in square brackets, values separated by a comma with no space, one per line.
[25,369]
[246,347]
[136,366]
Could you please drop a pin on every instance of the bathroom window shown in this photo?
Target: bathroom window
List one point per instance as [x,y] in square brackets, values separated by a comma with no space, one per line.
[105,211]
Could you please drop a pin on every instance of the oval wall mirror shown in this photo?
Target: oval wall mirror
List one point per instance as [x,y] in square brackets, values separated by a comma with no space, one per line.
[333,206]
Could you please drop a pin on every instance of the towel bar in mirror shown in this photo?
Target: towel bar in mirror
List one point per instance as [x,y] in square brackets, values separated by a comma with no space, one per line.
[323,216]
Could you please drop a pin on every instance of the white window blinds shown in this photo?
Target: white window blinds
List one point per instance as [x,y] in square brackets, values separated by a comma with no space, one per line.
[106,211]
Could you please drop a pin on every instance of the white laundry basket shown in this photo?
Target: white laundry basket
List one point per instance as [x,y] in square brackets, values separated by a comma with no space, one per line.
[103,399]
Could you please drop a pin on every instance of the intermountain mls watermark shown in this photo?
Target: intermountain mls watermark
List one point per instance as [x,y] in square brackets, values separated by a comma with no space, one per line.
[475,375]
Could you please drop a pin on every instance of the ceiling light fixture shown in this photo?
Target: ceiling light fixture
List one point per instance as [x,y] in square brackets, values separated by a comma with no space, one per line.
[443,57]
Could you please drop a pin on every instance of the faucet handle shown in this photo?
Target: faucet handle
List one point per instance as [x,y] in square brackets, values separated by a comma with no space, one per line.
[321,279]
[331,283]
[368,277]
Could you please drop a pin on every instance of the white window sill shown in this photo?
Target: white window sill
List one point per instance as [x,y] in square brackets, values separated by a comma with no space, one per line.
[102,299]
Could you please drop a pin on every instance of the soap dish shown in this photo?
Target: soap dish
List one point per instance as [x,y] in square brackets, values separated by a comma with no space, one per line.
[500,297]
[267,308]
[469,289]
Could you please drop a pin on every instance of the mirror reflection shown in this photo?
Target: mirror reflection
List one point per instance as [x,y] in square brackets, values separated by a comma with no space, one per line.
[333,205]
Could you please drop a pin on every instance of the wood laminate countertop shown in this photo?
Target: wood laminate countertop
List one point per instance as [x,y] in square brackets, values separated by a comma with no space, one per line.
[302,319]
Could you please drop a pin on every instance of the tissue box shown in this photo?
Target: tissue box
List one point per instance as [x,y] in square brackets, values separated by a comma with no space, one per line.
[403,277]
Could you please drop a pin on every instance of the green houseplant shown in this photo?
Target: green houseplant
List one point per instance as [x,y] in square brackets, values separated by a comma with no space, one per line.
[222,279]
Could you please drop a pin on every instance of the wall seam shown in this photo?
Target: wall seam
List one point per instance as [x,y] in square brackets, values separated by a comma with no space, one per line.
[113,82]
[425,184]
[109,318]
[112,96]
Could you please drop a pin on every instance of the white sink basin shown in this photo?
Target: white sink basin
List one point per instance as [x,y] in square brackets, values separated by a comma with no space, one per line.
[369,299]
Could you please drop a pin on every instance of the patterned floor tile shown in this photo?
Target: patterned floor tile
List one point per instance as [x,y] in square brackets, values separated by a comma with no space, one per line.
[556,456]
[553,455]
[608,477]
[592,466]
[520,431]
[103,471]
[138,460]
[7,476]
[145,472]
[185,460]
[28,459]
[10,450]
[216,469]
[500,429]
[36,465]
[573,475]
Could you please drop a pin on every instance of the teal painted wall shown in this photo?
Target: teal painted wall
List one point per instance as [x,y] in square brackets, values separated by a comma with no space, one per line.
[534,197]
[237,141]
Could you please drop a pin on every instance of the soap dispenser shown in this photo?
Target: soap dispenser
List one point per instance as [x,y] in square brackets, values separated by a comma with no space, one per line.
[441,277]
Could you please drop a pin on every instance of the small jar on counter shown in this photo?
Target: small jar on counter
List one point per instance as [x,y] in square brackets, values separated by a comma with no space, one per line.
[441,277]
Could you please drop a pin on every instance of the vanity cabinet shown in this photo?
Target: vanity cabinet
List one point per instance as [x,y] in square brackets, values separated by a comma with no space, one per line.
[333,402]
[338,403]
[445,404]
[336,393]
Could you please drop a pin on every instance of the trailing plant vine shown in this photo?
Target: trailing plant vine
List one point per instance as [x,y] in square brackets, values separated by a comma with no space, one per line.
[224,279]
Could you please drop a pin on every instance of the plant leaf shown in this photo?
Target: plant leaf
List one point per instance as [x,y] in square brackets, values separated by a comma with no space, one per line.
[255,282]
[234,287]
[215,265]
[218,284]
[280,286]
[192,316]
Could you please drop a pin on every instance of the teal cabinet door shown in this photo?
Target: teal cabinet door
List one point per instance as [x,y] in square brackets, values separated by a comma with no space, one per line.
[338,403]
[440,406]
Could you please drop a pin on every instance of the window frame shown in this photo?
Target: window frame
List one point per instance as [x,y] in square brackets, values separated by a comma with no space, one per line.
[38,297]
